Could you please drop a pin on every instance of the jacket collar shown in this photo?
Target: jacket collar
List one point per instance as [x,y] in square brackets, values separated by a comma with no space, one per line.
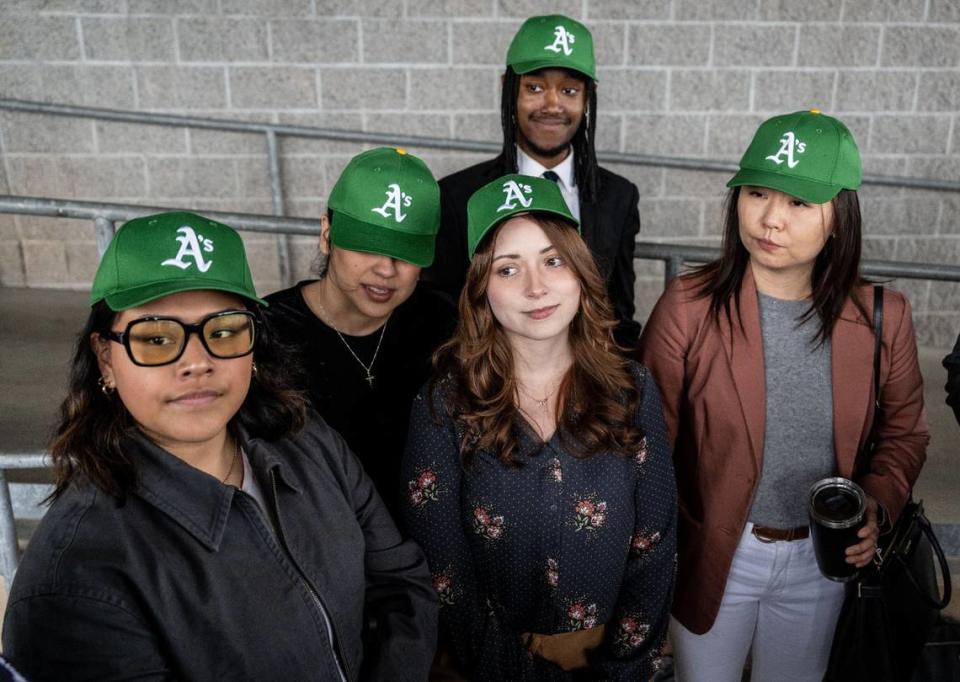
[196,501]
[851,361]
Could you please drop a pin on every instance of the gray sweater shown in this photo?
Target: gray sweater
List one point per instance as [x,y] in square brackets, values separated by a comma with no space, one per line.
[798,434]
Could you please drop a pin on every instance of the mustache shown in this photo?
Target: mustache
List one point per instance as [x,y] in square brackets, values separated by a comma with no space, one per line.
[551,118]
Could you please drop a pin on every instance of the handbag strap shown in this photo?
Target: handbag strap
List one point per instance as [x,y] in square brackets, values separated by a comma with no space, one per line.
[863,466]
[924,524]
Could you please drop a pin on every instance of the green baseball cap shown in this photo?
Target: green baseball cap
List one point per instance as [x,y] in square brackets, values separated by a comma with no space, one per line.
[386,201]
[806,154]
[508,196]
[552,41]
[163,254]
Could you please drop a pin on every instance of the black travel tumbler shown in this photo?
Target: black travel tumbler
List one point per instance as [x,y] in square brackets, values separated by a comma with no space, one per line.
[837,508]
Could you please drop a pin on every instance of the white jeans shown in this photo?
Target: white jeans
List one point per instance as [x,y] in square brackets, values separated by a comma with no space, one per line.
[777,603]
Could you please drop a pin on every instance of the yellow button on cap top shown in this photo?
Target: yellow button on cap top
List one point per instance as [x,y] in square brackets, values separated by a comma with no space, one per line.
[814,111]
[401,151]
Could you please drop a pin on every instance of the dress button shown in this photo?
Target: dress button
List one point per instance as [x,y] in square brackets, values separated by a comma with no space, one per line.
[553,507]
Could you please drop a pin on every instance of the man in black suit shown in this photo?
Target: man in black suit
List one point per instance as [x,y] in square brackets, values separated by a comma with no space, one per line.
[548,113]
[952,363]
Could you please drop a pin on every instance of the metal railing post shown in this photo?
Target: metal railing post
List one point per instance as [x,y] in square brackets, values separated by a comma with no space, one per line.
[276,192]
[104,231]
[671,268]
[9,549]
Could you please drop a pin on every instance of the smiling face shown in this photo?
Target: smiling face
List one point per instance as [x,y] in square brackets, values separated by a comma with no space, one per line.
[550,109]
[783,234]
[184,405]
[532,291]
[366,285]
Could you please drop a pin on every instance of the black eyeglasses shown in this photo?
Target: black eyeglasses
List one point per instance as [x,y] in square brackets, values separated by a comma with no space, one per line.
[155,341]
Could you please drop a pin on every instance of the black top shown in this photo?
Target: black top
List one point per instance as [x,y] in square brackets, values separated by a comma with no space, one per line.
[609,226]
[187,579]
[373,420]
[562,543]
[952,363]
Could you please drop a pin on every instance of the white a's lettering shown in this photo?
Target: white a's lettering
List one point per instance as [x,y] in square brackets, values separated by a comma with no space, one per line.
[395,202]
[788,143]
[562,41]
[190,243]
[514,193]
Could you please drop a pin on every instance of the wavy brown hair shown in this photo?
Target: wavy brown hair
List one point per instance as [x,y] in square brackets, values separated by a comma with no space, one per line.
[836,270]
[598,396]
[89,441]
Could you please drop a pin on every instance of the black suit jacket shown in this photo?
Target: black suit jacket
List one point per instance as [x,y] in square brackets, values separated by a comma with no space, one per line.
[952,363]
[609,226]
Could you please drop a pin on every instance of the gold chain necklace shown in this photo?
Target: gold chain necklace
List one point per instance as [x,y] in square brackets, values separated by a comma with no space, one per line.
[366,368]
[541,402]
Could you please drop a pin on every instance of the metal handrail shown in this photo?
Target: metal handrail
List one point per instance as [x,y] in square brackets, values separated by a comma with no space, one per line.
[105,215]
[676,256]
[266,128]
[9,551]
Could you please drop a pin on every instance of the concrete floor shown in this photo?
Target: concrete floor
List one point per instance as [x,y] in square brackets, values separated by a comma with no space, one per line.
[38,331]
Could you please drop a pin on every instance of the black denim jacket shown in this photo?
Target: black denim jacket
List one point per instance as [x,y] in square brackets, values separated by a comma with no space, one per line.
[186,579]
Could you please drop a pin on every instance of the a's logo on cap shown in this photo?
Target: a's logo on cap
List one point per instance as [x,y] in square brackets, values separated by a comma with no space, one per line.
[190,243]
[514,193]
[396,201]
[562,40]
[788,143]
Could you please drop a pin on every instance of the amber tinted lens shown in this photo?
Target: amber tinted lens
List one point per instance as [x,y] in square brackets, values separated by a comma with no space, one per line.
[155,342]
[230,335]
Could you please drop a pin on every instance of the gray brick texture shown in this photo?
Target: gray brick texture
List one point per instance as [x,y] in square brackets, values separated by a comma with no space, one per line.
[687,78]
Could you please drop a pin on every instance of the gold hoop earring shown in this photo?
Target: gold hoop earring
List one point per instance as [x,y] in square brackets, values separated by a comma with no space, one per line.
[254,370]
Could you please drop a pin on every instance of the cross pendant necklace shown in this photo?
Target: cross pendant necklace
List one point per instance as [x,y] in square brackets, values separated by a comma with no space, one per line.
[368,369]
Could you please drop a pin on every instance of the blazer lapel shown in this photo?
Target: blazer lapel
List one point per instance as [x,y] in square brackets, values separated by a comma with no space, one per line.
[744,348]
[851,364]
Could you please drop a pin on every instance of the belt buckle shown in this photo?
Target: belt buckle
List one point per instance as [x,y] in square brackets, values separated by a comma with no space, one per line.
[762,538]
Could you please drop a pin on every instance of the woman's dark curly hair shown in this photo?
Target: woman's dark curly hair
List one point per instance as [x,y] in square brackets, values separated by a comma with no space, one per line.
[88,442]
[598,395]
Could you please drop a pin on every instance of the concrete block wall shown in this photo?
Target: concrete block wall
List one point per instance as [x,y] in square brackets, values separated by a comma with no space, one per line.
[677,77]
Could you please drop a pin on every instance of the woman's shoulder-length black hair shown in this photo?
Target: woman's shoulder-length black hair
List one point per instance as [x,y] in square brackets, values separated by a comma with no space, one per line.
[88,442]
[836,270]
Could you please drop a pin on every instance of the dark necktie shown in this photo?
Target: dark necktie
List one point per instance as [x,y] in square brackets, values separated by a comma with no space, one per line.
[550,175]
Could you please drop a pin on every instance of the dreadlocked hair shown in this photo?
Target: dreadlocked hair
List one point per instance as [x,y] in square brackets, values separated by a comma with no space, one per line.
[585,169]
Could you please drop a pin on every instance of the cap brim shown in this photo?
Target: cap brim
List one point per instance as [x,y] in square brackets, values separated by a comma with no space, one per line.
[811,191]
[356,235]
[550,63]
[145,293]
[574,223]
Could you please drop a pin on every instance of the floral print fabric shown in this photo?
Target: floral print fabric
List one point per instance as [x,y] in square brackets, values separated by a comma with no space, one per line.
[559,544]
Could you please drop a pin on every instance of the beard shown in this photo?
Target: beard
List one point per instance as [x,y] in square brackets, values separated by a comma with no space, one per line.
[545,152]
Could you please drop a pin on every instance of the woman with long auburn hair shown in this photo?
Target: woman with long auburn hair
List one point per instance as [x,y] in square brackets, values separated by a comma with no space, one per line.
[765,360]
[538,476]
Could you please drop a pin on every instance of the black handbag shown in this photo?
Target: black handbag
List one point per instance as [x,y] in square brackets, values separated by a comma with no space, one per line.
[888,612]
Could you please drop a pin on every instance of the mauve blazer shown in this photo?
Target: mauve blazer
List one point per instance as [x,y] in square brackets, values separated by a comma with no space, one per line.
[711,375]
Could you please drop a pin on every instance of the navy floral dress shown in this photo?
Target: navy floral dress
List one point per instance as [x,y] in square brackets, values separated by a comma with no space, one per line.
[557,545]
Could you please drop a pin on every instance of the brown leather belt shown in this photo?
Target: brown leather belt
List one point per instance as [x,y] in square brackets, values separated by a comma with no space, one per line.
[765,534]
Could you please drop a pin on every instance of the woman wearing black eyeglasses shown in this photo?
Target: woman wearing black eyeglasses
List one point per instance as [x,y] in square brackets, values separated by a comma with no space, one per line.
[203,526]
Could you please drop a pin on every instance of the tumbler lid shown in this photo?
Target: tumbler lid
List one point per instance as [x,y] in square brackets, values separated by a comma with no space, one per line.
[837,502]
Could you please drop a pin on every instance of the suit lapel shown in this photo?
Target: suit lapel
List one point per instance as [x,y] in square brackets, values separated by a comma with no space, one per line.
[851,365]
[744,348]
